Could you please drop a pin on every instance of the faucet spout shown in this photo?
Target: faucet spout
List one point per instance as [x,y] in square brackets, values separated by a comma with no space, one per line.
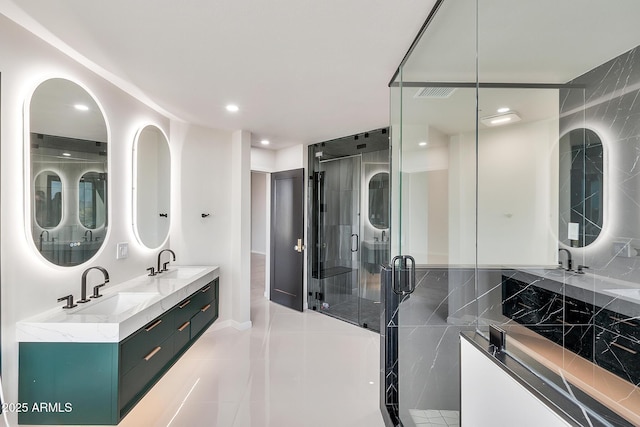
[42,238]
[160,268]
[83,289]
[569,264]
[90,233]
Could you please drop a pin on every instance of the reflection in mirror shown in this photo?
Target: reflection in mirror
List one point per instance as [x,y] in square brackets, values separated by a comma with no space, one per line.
[379,200]
[48,199]
[581,187]
[92,190]
[152,192]
[68,172]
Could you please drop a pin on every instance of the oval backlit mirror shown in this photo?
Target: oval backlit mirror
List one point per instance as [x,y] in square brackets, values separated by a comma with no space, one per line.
[152,191]
[379,200]
[68,161]
[581,187]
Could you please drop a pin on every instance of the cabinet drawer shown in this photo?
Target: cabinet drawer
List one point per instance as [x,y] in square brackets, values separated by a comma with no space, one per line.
[207,314]
[136,347]
[185,310]
[151,364]
[626,326]
[618,354]
[204,296]
[530,305]
[181,337]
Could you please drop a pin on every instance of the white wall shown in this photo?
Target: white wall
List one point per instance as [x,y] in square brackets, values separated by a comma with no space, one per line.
[263,160]
[517,195]
[490,397]
[259,212]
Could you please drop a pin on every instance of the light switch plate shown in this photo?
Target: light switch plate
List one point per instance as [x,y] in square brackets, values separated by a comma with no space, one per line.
[573,231]
[122,250]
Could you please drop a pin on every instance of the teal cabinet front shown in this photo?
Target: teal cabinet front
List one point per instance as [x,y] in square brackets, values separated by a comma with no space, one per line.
[86,372]
[99,383]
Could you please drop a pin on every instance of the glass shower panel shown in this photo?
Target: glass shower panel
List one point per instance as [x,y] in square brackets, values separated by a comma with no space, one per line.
[339,240]
[433,137]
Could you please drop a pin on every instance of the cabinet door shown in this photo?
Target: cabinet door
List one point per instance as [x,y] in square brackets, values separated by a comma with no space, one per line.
[578,330]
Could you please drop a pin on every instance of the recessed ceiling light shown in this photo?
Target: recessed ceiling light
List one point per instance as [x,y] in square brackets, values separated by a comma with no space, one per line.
[264,142]
[232,108]
[81,107]
[422,144]
[503,109]
[66,154]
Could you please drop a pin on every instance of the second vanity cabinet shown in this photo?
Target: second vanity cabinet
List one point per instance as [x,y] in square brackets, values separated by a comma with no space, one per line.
[607,338]
[101,382]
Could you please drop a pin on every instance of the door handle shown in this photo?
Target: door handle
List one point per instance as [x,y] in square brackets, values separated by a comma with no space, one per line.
[403,271]
[299,247]
[357,243]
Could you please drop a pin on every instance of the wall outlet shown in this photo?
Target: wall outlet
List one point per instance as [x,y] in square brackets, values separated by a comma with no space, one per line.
[122,250]
[622,249]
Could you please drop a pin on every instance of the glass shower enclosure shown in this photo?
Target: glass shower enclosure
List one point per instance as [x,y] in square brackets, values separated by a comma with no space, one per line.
[349,231]
[512,149]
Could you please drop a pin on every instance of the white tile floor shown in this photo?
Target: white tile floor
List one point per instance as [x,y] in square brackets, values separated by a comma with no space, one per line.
[290,370]
[435,418]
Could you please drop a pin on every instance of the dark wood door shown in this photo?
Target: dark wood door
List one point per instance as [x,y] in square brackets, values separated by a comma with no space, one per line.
[287,232]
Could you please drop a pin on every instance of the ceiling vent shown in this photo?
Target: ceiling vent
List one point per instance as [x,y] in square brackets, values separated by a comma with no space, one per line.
[434,92]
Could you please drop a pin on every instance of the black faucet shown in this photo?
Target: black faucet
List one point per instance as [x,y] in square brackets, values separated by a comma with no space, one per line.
[163,267]
[569,265]
[41,239]
[69,300]
[83,290]
[90,236]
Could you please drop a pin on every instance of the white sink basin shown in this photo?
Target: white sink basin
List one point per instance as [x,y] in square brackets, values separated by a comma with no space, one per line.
[629,293]
[118,303]
[180,272]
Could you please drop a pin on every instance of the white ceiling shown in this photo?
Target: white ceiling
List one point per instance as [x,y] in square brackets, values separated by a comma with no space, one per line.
[301,71]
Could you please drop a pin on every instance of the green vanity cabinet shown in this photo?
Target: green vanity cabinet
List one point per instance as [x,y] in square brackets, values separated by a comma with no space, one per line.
[99,383]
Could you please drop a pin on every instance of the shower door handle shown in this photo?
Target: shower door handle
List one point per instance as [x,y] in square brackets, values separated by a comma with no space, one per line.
[299,247]
[406,273]
[357,242]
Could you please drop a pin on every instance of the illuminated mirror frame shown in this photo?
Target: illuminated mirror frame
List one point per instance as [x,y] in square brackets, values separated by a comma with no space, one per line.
[566,206]
[163,186]
[28,180]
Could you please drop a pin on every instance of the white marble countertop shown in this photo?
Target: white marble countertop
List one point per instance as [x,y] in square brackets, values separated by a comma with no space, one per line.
[123,309]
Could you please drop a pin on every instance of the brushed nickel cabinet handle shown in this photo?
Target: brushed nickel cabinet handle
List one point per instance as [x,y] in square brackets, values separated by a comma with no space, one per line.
[626,322]
[184,304]
[206,289]
[153,353]
[205,308]
[148,328]
[181,328]
[524,305]
[621,347]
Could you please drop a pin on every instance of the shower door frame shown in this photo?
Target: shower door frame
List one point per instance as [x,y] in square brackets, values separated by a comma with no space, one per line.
[356,260]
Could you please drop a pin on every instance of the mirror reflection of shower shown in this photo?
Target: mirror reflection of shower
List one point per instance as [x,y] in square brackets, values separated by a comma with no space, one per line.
[349,227]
